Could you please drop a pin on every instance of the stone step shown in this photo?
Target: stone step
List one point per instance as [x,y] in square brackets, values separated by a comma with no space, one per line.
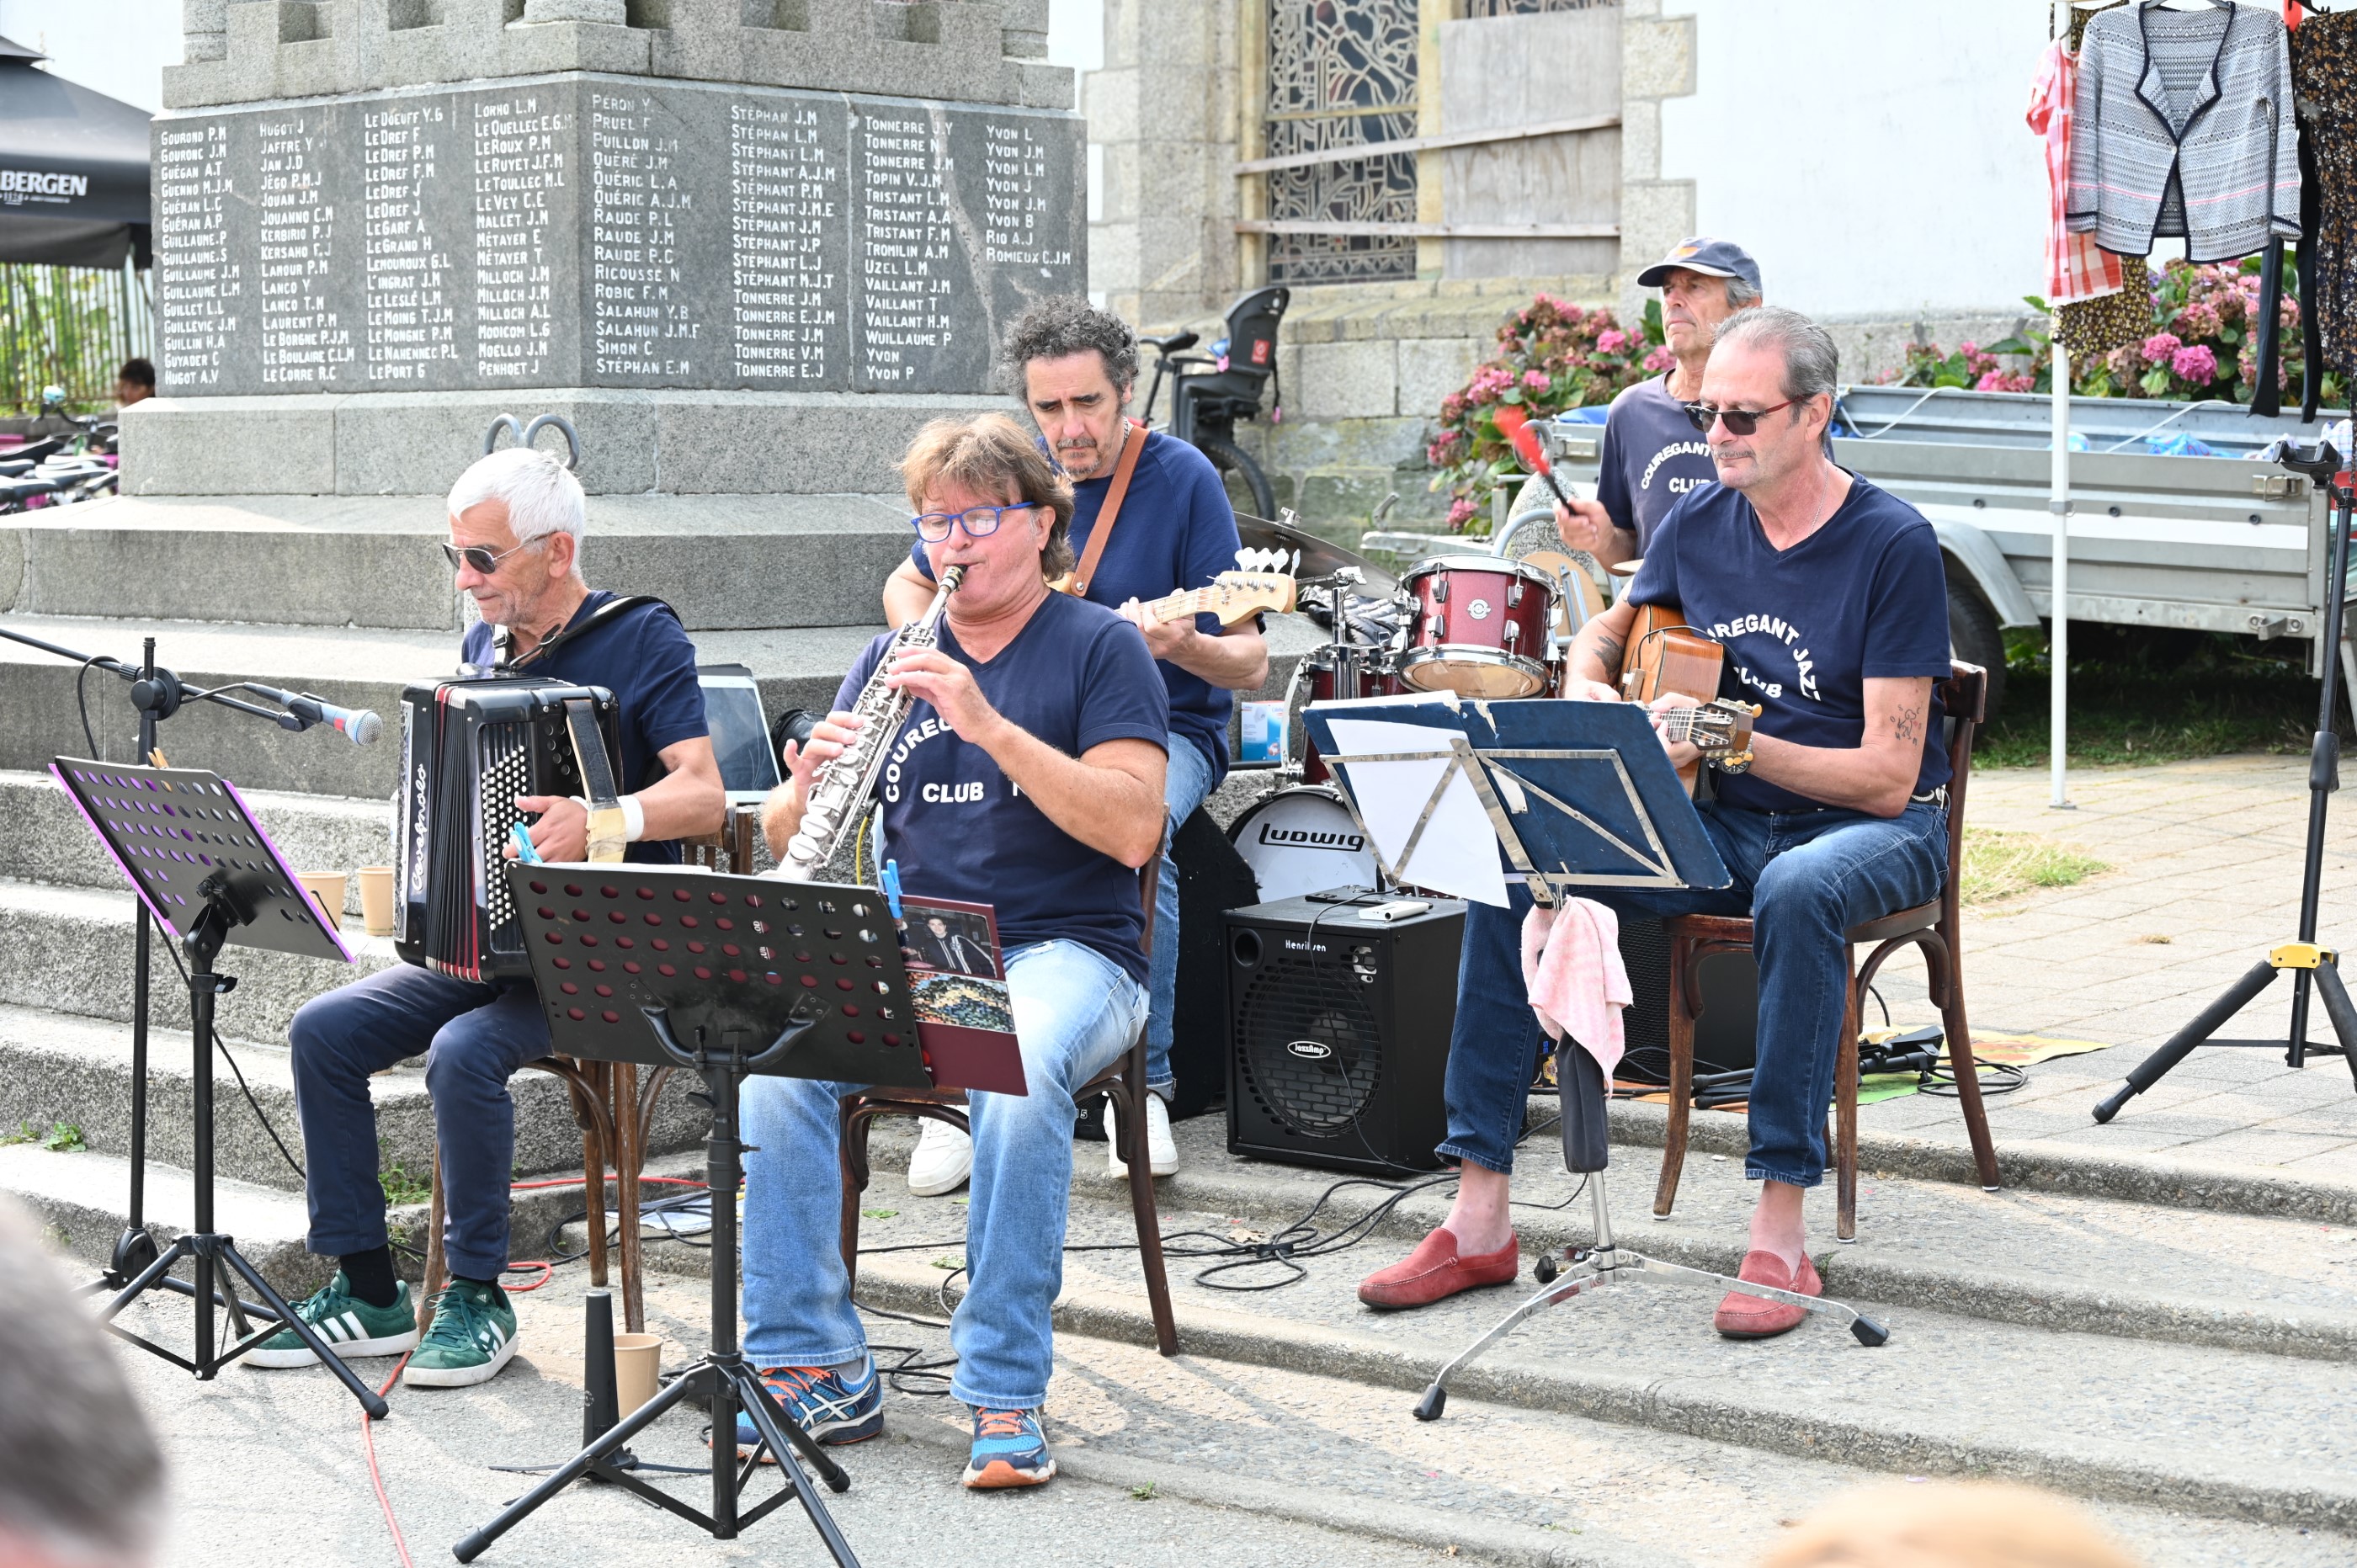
[355,668]
[2093,1415]
[55,1069]
[81,1200]
[722,562]
[43,839]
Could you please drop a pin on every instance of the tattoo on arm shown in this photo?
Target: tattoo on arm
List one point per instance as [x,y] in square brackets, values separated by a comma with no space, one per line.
[1906,723]
[1608,651]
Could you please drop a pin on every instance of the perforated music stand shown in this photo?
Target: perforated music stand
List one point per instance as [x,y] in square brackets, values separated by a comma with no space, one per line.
[727,976]
[189,845]
[1577,795]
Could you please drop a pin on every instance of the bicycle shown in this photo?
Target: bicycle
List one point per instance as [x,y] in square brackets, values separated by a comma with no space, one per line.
[1206,404]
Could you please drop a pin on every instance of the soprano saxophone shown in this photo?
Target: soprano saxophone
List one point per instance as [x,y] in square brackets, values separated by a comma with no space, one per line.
[842,788]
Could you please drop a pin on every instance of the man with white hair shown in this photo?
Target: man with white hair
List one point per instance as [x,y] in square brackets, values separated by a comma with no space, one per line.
[516,521]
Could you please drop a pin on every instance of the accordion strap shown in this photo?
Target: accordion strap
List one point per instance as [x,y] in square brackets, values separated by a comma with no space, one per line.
[604,615]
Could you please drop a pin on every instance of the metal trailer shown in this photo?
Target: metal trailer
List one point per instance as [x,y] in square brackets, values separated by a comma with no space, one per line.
[2207,544]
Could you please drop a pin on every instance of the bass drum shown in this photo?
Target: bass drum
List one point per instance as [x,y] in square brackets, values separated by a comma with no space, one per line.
[1301,841]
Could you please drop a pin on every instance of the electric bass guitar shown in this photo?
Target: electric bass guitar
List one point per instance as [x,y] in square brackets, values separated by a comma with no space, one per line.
[1231,596]
[1668,657]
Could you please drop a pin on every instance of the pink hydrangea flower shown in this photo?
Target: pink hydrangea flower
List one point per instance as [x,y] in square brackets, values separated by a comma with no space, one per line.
[1611,340]
[2196,364]
[1534,381]
[1460,512]
[1660,358]
[2160,346]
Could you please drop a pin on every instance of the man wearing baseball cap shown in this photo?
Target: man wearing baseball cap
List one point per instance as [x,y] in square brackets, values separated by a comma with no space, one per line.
[1653,454]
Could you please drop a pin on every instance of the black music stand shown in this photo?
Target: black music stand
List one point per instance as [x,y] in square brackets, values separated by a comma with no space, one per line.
[727,976]
[1577,795]
[208,870]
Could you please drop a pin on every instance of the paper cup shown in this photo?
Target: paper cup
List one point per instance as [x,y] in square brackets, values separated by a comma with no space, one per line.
[638,1367]
[376,899]
[328,891]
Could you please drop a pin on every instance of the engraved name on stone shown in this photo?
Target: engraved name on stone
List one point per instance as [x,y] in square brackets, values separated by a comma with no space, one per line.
[198,283]
[789,229]
[642,327]
[306,342]
[904,250]
[522,150]
[410,323]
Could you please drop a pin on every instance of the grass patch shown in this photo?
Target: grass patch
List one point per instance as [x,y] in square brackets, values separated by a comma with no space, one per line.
[2152,697]
[402,1189]
[2000,864]
[22,1134]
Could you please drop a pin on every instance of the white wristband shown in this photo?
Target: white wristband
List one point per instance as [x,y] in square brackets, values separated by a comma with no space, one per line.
[634,819]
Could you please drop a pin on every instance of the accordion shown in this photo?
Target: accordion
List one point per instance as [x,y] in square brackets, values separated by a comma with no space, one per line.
[468,747]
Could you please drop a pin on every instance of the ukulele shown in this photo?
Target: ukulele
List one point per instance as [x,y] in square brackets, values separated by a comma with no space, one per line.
[1666,657]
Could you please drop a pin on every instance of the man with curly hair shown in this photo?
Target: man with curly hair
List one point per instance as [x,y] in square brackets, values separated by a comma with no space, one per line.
[1074,367]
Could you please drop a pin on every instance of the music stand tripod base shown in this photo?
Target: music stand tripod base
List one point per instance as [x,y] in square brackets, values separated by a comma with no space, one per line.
[1609,1264]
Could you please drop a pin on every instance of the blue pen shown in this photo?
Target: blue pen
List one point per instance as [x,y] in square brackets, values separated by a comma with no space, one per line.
[892,886]
[524,852]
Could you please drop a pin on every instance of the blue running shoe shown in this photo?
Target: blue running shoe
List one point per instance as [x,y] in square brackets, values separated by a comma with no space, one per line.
[1008,1451]
[831,1406]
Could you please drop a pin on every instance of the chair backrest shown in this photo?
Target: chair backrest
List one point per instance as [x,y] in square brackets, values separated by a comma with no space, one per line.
[1252,330]
[1963,697]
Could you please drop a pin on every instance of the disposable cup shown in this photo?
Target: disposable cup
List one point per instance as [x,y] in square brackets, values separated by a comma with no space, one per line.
[376,899]
[328,891]
[638,1367]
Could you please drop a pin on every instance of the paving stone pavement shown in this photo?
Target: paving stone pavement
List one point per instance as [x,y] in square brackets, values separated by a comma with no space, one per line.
[2205,879]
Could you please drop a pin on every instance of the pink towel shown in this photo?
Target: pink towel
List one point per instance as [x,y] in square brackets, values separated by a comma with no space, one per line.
[1577,985]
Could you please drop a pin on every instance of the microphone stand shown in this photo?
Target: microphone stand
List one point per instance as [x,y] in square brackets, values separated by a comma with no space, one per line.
[157,693]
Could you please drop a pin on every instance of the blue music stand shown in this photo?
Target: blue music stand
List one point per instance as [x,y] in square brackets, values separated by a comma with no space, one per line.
[1578,795]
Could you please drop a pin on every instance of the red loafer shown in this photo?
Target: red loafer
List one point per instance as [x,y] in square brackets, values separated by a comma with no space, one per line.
[1435,1269]
[1741,1316]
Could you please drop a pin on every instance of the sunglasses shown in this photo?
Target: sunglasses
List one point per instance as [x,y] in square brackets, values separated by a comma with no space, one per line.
[1738,421]
[479,556]
[979,522]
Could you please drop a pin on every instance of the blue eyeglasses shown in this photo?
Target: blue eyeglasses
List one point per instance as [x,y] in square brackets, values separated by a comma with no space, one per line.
[979,522]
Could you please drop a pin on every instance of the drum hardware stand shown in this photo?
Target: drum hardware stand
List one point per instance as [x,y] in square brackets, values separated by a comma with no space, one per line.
[723,1376]
[601,1403]
[2307,961]
[157,693]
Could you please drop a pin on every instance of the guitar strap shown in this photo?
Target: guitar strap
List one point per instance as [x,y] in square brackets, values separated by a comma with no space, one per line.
[1133,439]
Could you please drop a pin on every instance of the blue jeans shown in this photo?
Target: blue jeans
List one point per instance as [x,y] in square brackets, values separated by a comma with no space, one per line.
[1184,785]
[1075,1012]
[474,1038]
[1804,878]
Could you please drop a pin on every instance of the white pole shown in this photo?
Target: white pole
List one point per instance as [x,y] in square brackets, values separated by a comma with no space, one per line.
[2059,645]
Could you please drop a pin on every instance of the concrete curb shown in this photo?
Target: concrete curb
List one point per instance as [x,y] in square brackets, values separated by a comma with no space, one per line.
[1466,1535]
[2107,1470]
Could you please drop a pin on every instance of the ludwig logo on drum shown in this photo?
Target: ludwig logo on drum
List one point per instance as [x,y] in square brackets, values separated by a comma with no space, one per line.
[1478,608]
[1308,838]
[1309,1050]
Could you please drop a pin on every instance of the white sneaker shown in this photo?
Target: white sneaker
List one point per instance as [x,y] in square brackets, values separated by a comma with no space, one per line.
[945,1158]
[1161,1148]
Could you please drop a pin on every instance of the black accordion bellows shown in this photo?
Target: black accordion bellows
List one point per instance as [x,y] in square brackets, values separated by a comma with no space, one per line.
[468,749]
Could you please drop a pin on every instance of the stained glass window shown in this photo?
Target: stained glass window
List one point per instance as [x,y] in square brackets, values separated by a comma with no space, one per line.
[1341,73]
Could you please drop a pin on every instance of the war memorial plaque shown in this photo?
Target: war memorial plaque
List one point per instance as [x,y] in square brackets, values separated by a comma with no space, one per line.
[606,231]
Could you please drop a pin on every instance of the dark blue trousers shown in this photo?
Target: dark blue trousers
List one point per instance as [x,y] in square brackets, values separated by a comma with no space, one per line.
[473,1038]
[1804,878]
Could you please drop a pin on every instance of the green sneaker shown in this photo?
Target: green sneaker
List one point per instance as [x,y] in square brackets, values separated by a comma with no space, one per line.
[474,1334]
[349,1325]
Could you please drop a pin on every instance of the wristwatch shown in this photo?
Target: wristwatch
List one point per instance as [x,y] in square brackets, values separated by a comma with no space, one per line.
[1732,762]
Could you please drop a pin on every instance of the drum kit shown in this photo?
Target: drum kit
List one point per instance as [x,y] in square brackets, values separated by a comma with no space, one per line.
[1492,627]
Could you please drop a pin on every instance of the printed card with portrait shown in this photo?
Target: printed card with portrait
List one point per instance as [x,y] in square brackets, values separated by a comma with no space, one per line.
[956,980]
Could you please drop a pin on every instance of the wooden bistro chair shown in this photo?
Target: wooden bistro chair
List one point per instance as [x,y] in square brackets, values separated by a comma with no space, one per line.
[1124,1083]
[600,1092]
[1932,927]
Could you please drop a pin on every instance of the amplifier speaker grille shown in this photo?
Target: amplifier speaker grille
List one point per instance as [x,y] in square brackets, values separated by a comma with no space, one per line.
[1295,1002]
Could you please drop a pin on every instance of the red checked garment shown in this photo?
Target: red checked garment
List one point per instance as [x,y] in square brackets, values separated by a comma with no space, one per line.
[2076,267]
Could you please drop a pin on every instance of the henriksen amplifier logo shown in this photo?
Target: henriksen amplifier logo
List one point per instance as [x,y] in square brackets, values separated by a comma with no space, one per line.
[1309,1050]
[1310,838]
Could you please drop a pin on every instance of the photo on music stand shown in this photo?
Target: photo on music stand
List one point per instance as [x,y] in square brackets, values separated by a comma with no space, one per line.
[956,983]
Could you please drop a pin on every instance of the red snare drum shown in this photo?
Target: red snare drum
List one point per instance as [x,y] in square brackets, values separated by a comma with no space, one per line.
[1482,626]
[1319,668]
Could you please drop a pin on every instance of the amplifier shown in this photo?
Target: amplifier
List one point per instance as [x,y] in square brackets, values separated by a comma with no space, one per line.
[1339,1034]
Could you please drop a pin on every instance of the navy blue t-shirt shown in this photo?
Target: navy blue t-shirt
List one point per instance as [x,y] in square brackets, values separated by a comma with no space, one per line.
[643,658]
[1077,675]
[1652,457]
[1864,597]
[1176,530]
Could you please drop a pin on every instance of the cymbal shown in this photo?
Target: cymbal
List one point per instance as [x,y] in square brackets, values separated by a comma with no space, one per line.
[1319,556]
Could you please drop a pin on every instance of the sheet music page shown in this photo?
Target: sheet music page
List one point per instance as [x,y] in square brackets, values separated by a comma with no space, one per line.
[1457,853]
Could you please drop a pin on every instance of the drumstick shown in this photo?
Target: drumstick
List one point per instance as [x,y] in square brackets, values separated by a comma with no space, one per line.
[1516,423]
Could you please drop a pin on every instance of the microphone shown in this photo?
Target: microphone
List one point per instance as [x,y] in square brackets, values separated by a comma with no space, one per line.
[359,726]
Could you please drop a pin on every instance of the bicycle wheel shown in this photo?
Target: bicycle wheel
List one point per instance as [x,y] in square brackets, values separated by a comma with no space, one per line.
[1236,466]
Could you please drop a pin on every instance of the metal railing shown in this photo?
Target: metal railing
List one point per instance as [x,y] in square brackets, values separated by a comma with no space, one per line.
[70,328]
